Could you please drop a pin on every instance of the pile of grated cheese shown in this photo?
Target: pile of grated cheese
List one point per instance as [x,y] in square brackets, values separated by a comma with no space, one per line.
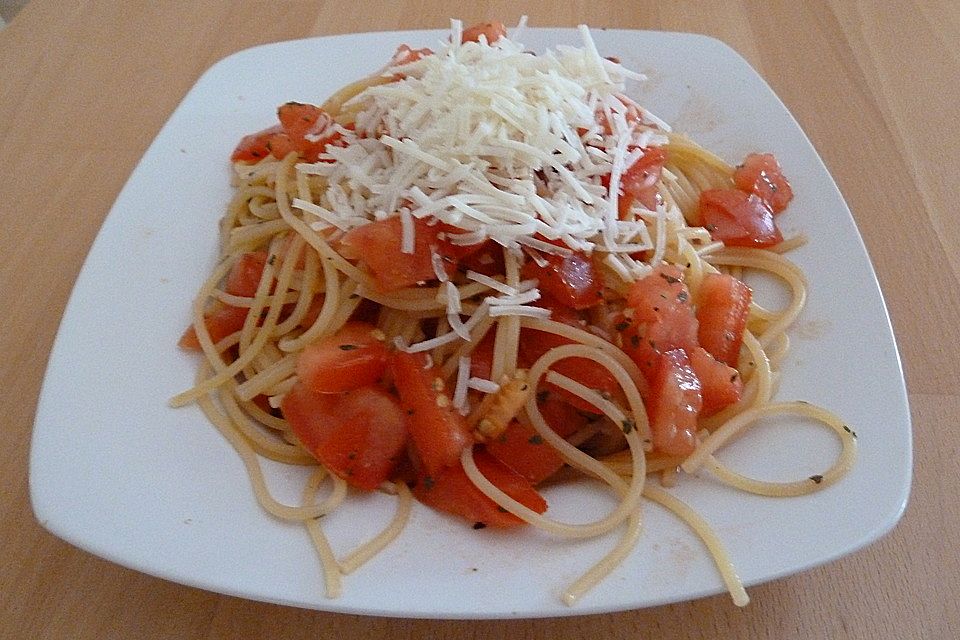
[501,144]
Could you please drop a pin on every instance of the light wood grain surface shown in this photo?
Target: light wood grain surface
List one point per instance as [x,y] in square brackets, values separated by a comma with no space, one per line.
[85,87]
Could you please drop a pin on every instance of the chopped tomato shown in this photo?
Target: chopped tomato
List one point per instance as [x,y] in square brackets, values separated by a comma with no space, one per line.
[437,430]
[662,318]
[359,435]
[738,219]
[244,276]
[488,259]
[222,321]
[452,491]
[522,449]
[721,385]
[761,174]
[722,308]
[639,182]
[353,357]
[572,279]
[378,245]
[304,128]
[674,404]
[256,146]
[492,30]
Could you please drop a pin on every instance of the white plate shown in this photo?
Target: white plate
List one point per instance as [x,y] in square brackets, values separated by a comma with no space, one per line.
[116,472]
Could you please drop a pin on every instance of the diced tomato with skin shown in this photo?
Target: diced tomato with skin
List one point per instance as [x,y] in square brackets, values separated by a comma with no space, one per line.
[378,245]
[639,182]
[488,260]
[221,322]
[723,305]
[359,435]
[572,279]
[738,219]
[662,319]
[761,174]
[353,357]
[721,385]
[244,276]
[438,431]
[304,128]
[453,492]
[674,404]
[525,451]
[492,30]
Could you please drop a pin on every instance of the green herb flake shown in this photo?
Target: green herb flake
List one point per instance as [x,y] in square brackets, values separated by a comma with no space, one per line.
[817,479]
[628,425]
[348,347]
[479,525]
[536,439]
[622,326]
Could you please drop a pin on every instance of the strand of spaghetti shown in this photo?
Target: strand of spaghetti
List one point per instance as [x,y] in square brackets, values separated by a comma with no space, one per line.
[251,235]
[703,456]
[613,559]
[720,556]
[507,337]
[328,561]
[779,266]
[266,378]
[264,418]
[249,458]
[466,348]
[210,351]
[269,279]
[311,267]
[431,299]
[369,549]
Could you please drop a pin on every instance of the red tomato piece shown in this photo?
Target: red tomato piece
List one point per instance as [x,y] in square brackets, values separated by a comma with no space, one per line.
[721,385]
[359,435]
[439,433]
[674,404]
[353,357]
[525,451]
[572,279]
[488,259]
[453,492]
[378,245]
[639,182]
[559,415]
[738,219]
[405,55]
[722,309]
[761,174]
[481,358]
[492,30]
[220,322]
[256,146]
[662,318]
[244,276]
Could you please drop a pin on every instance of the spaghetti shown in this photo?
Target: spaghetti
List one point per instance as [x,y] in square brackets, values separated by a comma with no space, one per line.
[479,267]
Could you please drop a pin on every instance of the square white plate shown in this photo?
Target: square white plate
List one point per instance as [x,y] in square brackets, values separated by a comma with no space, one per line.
[118,473]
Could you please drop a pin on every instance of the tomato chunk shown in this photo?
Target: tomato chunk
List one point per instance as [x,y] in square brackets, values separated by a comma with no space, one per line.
[220,323]
[522,449]
[572,279]
[493,31]
[721,385]
[761,174]
[639,182]
[359,435]
[674,404]
[244,276]
[439,433]
[722,310]
[378,245]
[662,319]
[453,492]
[304,128]
[738,219]
[353,357]
[256,146]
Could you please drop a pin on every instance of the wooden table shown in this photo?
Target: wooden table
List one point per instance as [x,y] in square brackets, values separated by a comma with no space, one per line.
[86,87]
